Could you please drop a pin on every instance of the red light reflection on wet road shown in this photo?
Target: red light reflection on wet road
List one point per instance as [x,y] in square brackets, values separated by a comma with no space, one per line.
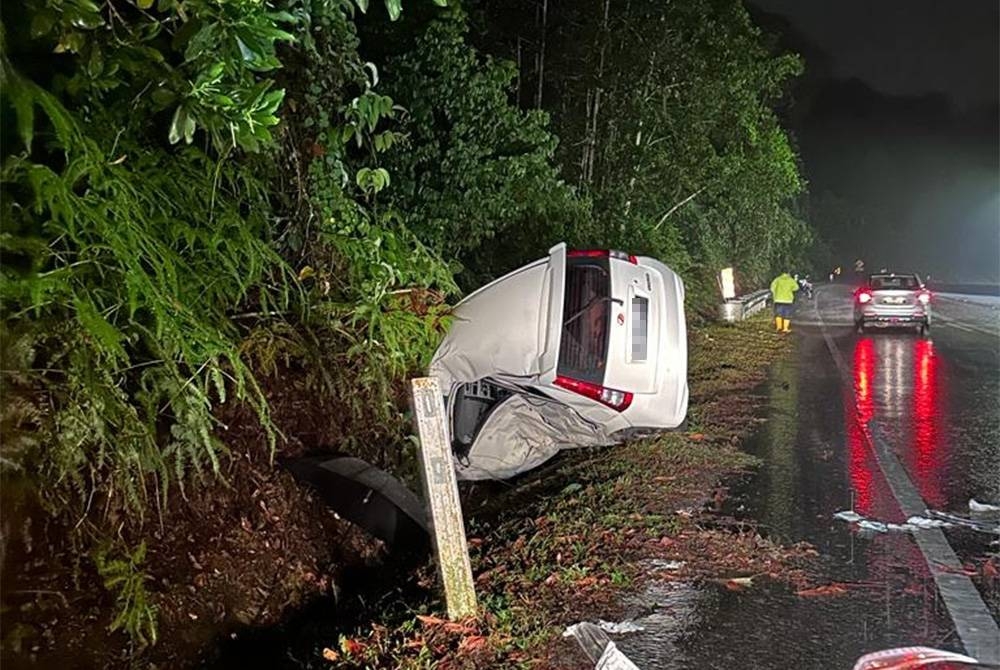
[857,412]
[926,458]
[903,375]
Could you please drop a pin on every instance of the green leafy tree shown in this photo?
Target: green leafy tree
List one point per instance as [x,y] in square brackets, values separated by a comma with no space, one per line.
[474,172]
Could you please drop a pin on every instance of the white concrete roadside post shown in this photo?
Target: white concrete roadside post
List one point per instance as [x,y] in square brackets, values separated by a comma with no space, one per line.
[441,493]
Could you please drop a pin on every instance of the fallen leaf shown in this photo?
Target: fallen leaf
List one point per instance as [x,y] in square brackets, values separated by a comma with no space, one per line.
[429,620]
[822,591]
[455,627]
[351,647]
[738,583]
[965,570]
[471,643]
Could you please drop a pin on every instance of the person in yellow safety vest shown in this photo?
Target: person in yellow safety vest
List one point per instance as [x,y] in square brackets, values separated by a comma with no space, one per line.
[783,290]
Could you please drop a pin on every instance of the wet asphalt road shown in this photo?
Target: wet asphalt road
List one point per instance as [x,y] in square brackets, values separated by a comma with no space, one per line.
[936,403]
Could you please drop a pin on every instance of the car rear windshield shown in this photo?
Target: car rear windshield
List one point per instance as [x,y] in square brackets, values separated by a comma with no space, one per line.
[586,320]
[886,282]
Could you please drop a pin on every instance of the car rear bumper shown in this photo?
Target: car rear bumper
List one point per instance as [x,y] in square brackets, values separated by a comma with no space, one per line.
[888,318]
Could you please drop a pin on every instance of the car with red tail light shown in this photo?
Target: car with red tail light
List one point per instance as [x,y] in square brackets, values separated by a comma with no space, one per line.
[892,300]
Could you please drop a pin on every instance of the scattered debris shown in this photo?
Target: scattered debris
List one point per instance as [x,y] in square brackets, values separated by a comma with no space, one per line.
[735,583]
[975,506]
[873,526]
[823,591]
[965,570]
[983,525]
[598,647]
[671,566]
[614,659]
[930,519]
[620,627]
[924,522]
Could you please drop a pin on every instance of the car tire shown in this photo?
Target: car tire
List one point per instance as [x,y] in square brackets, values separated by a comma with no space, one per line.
[860,327]
[924,330]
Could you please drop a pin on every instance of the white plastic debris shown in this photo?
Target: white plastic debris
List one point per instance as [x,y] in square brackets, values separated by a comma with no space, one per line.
[983,524]
[614,659]
[899,528]
[976,506]
[912,524]
[598,647]
[873,526]
[618,628]
[924,522]
[671,566]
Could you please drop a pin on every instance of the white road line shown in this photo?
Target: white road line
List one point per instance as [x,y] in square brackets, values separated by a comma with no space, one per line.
[975,626]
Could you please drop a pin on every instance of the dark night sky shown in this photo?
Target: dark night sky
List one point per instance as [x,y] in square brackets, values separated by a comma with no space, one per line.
[906,47]
[897,123]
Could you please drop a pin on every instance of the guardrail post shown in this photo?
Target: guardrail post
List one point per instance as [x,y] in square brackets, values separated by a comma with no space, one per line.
[441,493]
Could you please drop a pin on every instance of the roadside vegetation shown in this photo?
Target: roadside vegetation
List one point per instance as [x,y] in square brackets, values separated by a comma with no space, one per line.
[569,542]
[230,230]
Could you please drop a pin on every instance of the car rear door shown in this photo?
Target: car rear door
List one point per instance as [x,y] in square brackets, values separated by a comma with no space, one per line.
[505,329]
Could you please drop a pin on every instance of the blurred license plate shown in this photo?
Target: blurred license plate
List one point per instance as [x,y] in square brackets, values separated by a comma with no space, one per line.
[894,301]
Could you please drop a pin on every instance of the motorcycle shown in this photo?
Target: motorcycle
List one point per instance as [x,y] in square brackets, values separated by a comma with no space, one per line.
[806,288]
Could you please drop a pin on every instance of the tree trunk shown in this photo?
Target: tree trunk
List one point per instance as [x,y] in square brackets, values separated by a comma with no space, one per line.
[594,110]
[518,70]
[541,55]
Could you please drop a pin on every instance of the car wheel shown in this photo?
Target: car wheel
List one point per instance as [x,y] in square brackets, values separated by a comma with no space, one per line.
[924,330]
[860,327]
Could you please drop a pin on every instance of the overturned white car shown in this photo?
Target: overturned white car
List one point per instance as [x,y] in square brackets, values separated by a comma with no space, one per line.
[582,348]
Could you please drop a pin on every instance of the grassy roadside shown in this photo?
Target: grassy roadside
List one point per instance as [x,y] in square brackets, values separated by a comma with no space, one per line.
[575,539]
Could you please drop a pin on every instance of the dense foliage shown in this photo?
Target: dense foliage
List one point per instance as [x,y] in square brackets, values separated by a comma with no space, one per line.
[475,167]
[665,115]
[201,194]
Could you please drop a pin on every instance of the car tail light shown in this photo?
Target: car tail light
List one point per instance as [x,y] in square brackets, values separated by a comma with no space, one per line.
[603,253]
[617,400]
[911,658]
[864,296]
[924,297]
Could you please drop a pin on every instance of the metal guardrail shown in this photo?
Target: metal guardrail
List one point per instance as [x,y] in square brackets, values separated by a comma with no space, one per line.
[741,307]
